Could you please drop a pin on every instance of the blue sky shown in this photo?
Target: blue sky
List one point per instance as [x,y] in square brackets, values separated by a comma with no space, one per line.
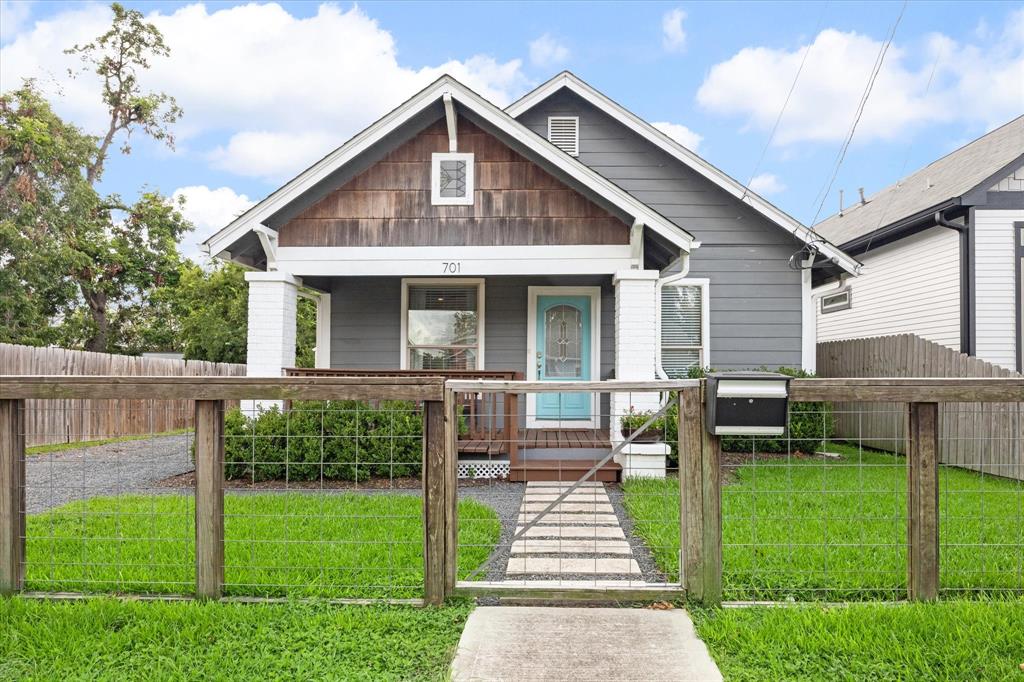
[268,88]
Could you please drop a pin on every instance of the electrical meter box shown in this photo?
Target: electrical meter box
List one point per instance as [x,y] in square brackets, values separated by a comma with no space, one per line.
[747,403]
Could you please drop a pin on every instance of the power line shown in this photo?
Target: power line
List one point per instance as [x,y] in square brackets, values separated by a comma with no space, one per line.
[785,103]
[860,111]
[903,168]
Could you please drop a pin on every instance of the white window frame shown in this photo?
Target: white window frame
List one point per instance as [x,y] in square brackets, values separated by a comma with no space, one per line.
[837,307]
[435,179]
[532,292]
[449,281]
[576,120]
[705,317]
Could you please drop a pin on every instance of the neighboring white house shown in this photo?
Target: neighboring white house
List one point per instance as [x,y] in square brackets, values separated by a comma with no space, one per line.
[942,252]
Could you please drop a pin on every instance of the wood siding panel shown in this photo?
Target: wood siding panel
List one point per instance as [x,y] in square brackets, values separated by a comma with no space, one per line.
[515,203]
[745,256]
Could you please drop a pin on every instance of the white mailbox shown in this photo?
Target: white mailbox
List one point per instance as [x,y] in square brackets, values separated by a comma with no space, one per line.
[747,403]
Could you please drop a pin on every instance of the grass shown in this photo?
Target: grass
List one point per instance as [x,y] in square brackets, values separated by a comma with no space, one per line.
[835,529]
[76,445]
[106,639]
[960,640]
[276,544]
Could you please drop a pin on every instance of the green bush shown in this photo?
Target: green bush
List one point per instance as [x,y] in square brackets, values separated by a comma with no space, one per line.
[809,423]
[337,440]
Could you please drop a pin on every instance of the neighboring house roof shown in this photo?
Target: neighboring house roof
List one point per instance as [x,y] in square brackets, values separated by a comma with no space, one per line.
[937,186]
[545,151]
[571,82]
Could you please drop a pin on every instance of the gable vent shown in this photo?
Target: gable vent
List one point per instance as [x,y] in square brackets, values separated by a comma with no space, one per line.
[564,133]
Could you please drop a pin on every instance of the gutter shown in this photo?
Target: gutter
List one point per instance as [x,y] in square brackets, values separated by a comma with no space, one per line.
[967,312]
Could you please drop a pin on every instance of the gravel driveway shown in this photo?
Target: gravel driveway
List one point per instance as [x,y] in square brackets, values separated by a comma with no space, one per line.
[55,478]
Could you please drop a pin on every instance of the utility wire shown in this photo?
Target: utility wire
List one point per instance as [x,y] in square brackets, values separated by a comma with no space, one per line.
[860,111]
[785,103]
[903,168]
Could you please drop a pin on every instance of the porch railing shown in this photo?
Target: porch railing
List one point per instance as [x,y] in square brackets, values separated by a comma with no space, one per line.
[487,421]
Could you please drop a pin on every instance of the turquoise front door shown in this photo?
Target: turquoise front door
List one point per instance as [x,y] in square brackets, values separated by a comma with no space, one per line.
[563,354]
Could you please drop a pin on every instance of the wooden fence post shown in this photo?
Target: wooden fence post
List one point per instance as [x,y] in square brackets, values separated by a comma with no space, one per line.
[434,532]
[451,488]
[923,502]
[691,563]
[209,440]
[12,496]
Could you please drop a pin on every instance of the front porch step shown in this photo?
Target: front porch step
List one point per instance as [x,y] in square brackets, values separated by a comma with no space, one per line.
[563,470]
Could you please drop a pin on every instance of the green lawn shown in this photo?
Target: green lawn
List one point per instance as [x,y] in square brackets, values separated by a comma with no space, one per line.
[75,445]
[835,529]
[294,544]
[105,639]
[964,640]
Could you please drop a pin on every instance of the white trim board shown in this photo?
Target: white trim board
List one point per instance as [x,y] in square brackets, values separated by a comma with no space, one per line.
[489,113]
[531,353]
[481,285]
[641,127]
[326,261]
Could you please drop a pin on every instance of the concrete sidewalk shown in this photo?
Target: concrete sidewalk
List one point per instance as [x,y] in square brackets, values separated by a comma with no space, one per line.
[550,643]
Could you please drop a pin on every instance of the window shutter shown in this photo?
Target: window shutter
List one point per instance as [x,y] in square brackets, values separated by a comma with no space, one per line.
[681,329]
[564,133]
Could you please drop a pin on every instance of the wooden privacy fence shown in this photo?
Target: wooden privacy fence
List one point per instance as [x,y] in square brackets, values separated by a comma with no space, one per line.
[986,437]
[69,420]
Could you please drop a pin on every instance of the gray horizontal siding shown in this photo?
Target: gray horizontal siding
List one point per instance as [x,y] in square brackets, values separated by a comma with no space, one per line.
[366,321]
[755,296]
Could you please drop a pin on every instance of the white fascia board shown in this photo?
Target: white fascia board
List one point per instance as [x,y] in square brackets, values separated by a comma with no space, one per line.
[488,112]
[438,261]
[687,157]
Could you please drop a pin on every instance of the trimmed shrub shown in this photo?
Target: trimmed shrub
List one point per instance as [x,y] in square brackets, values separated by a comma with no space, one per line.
[337,440]
[809,424]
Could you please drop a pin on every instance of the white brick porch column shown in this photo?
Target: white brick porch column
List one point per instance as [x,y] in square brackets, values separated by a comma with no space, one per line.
[636,347]
[273,301]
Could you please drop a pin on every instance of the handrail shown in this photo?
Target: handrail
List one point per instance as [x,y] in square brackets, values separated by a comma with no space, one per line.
[97,387]
[607,386]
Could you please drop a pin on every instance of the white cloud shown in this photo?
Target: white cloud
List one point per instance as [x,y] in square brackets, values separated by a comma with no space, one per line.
[680,134]
[673,36]
[767,184]
[973,83]
[13,15]
[546,51]
[209,210]
[270,155]
[257,70]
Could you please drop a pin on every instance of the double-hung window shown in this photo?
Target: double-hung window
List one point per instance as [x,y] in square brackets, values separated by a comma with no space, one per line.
[443,324]
[684,327]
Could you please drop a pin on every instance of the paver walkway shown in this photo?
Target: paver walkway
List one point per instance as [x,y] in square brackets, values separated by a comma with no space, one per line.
[543,644]
[579,542]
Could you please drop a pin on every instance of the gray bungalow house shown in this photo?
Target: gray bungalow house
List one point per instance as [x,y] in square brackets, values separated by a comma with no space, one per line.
[561,238]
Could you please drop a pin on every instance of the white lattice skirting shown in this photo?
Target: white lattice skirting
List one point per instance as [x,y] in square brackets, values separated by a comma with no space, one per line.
[483,468]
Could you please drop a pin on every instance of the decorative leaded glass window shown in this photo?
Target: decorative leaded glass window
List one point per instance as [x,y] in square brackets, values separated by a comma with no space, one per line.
[451,179]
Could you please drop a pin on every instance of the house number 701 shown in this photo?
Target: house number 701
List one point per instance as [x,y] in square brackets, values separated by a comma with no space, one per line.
[452,268]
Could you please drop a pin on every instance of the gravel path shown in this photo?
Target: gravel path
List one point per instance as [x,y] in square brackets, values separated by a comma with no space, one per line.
[135,466]
[505,499]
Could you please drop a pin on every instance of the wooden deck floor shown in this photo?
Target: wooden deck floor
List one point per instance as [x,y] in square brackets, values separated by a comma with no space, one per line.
[539,438]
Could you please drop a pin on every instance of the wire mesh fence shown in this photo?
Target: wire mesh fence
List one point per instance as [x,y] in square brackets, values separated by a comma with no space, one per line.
[326,498]
[579,506]
[815,516]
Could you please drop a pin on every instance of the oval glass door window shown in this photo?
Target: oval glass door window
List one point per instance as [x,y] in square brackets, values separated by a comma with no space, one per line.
[563,352]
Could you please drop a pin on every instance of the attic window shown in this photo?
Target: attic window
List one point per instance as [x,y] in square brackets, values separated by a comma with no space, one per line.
[451,179]
[836,302]
[564,133]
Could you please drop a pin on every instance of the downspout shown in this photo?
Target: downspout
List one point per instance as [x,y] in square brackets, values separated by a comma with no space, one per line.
[966,280]
[683,272]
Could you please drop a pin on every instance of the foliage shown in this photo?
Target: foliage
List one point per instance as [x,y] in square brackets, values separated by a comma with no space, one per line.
[888,642]
[333,440]
[197,641]
[312,544]
[634,419]
[41,192]
[817,528]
